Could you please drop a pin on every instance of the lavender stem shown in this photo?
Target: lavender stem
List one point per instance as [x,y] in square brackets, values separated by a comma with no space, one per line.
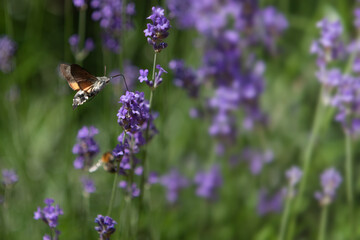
[114,183]
[323,222]
[349,178]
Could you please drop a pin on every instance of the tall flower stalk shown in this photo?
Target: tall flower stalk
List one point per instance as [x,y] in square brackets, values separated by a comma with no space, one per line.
[293,175]
[155,32]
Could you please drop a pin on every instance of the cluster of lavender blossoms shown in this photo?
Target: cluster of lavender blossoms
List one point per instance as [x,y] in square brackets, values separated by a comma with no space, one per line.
[158,30]
[113,17]
[208,183]
[341,89]
[7,52]
[9,177]
[173,182]
[269,203]
[330,181]
[157,80]
[231,33]
[49,214]
[106,226]
[86,148]
[134,111]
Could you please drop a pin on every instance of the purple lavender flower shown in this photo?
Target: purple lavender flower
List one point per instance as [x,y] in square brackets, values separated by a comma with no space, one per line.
[88,185]
[181,11]
[109,14]
[173,182]
[9,177]
[329,46]
[49,214]
[293,175]
[330,181]
[357,18]
[185,77]
[257,159]
[7,52]
[133,189]
[79,3]
[86,147]
[134,111]
[74,46]
[346,99]
[106,226]
[153,178]
[158,79]
[208,183]
[268,204]
[143,75]
[158,30]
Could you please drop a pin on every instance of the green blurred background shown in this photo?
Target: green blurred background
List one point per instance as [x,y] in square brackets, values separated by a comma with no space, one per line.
[38,128]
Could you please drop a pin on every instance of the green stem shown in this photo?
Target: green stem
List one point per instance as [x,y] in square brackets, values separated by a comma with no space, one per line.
[349,178]
[114,182]
[67,28]
[8,22]
[285,216]
[323,222]
[311,144]
[308,152]
[144,174]
[81,31]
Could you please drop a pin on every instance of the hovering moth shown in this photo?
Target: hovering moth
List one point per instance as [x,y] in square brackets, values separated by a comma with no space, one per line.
[86,84]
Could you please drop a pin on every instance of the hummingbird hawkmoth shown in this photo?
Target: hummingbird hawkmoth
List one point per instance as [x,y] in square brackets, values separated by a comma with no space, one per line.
[86,84]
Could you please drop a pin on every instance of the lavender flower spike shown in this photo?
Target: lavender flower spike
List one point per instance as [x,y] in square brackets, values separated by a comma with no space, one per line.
[158,30]
[330,181]
[133,112]
[49,214]
[7,52]
[86,148]
[106,226]
[9,177]
[208,183]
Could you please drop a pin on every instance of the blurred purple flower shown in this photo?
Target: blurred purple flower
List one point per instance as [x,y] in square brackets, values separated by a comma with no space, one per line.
[329,46]
[158,30]
[88,185]
[185,77]
[330,181]
[134,111]
[357,18]
[9,177]
[133,190]
[208,183]
[153,178]
[79,3]
[7,52]
[268,204]
[89,44]
[106,226]
[293,175]
[173,182]
[86,147]
[257,159]
[109,14]
[49,214]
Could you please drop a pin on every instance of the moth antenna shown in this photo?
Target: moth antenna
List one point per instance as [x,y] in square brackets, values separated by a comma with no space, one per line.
[121,75]
[104,70]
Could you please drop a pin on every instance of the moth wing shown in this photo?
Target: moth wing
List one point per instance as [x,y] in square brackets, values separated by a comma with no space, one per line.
[83,78]
[65,71]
